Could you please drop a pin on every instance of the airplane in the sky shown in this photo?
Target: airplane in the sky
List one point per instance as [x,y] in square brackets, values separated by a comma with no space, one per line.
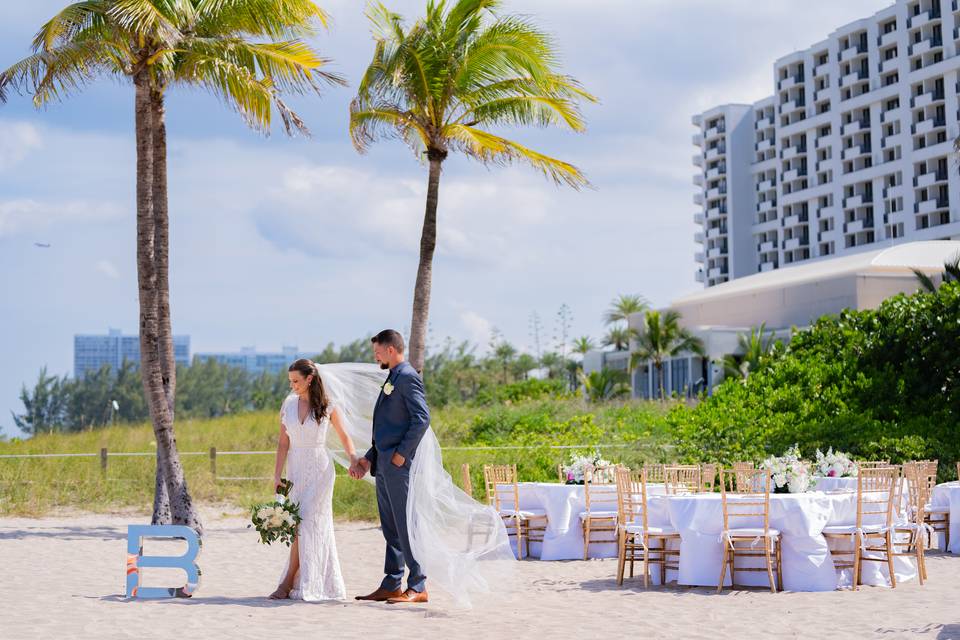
[42,245]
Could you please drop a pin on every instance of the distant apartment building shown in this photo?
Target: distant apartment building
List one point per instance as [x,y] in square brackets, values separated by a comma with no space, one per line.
[91,352]
[852,153]
[256,363]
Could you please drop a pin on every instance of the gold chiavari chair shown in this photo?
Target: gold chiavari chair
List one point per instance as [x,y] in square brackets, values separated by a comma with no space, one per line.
[708,476]
[937,517]
[958,470]
[682,479]
[561,476]
[868,464]
[908,532]
[503,494]
[601,510]
[745,508]
[739,479]
[465,477]
[872,534]
[635,534]
[656,473]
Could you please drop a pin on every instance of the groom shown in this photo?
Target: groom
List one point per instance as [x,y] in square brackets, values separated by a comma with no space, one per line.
[400,418]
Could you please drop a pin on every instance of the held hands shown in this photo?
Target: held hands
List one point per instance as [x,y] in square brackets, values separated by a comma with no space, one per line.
[359,468]
[397,459]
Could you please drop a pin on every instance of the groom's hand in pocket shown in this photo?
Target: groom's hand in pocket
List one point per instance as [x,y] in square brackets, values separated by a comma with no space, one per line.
[397,459]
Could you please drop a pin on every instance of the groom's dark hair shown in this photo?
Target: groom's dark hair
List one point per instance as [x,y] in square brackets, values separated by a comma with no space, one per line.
[389,338]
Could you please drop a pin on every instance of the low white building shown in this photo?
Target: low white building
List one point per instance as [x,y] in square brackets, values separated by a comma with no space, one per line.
[782,299]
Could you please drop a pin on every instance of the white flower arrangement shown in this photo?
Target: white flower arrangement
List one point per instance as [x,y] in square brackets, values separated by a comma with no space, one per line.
[277,520]
[835,465]
[788,473]
[581,466]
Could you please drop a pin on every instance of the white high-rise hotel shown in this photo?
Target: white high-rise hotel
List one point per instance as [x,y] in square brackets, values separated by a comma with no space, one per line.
[853,152]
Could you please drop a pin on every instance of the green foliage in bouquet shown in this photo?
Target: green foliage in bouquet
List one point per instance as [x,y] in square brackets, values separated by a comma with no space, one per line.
[277,520]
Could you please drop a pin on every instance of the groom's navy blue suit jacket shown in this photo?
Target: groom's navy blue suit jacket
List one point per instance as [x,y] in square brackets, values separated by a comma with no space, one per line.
[400,418]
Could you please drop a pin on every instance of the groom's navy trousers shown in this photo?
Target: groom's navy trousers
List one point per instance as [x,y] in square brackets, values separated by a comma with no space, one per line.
[400,419]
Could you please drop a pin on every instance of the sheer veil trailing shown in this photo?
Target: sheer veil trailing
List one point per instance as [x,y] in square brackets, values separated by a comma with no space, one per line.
[461,544]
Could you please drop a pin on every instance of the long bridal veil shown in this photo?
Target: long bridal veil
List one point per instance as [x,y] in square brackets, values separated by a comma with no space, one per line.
[461,545]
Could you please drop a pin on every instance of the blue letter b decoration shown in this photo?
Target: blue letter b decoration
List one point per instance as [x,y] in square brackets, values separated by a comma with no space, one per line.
[136,560]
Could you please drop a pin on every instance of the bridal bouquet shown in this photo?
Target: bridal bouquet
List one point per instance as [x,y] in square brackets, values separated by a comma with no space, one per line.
[788,473]
[581,466]
[835,465]
[277,520]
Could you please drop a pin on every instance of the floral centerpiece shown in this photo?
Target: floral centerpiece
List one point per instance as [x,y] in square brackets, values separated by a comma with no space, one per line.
[583,466]
[788,473]
[277,520]
[834,465]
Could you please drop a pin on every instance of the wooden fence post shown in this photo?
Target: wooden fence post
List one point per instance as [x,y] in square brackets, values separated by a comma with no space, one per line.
[213,462]
[103,460]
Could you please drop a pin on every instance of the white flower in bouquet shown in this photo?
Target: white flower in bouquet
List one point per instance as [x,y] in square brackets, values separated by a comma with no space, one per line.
[788,471]
[835,464]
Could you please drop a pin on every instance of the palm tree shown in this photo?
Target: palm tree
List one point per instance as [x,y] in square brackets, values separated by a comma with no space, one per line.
[663,338]
[618,337]
[604,384]
[757,347]
[623,306]
[505,353]
[247,53]
[951,273]
[441,84]
[583,345]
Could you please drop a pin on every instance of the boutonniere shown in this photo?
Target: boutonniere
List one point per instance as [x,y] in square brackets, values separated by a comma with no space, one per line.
[387,388]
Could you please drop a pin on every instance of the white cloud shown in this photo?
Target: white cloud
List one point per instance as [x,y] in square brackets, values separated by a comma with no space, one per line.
[17,140]
[32,216]
[477,328]
[108,269]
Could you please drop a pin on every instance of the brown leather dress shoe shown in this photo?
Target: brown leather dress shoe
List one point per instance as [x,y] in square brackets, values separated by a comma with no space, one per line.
[381,595]
[409,596]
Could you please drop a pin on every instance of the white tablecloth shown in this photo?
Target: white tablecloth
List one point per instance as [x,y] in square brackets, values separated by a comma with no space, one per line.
[807,563]
[948,495]
[563,503]
[824,483]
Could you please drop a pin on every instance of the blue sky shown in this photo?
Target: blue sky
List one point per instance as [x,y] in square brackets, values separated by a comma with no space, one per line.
[277,241]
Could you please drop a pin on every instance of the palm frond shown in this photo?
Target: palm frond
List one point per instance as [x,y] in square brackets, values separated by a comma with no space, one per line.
[145,20]
[383,120]
[492,149]
[273,19]
[71,20]
[925,281]
[55,73]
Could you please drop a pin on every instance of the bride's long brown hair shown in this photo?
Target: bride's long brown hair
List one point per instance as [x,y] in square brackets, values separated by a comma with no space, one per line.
[317,394]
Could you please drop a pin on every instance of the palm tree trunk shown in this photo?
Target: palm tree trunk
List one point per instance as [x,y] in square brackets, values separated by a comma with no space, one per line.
[428,243]
[175,504]
[660,377]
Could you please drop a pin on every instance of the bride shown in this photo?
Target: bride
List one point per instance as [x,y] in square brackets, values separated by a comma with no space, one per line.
[313,569]
[461,544]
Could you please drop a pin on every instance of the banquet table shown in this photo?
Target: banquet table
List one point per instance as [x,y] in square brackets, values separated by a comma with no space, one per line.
[807,563]
[948,495]
[824,483]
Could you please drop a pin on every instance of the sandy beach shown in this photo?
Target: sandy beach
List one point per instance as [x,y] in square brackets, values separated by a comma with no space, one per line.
[65,579]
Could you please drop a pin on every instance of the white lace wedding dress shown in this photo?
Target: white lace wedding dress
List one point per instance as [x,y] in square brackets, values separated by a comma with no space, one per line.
[311,470]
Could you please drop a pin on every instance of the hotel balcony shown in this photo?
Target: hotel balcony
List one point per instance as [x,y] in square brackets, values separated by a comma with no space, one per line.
[715,152]
[858,225]
[716,192]
[828,212]
[856,201]
[698,276]
[766,185]
[793,151]
[697,140]
[926,99]
[790,81]
[822,70]
[792,105]
[791,244]
[716,172]
[855,126]
[851,52]
[767,247]
[928,125]
[791,220]
[698,199]
[852,78]
[925,45]
[715,273]
[698,179]
[716,232]
[699,257]
[894,192]
[929,206]
[696,121]
[888,38]
[927,179]
[698,217]
[715,212]
[922,18]
[890,64]
[714,132]
[855,151]
[766,205]
[767,266]
[698,160]
[698,237]
[763,145]
[716,252]
[793,174]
